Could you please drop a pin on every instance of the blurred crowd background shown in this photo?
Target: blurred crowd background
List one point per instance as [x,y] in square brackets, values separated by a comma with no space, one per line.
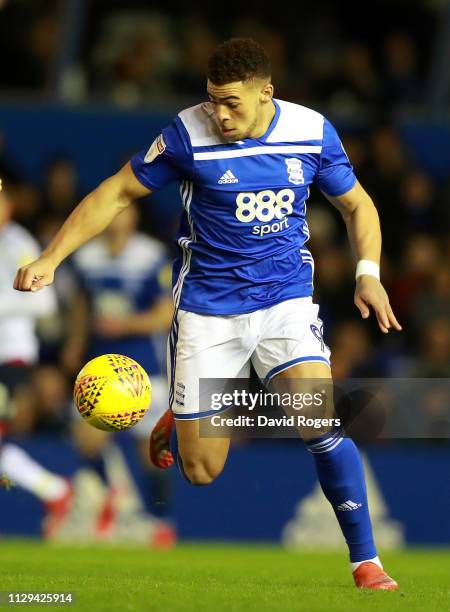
[368,68]
[353,62]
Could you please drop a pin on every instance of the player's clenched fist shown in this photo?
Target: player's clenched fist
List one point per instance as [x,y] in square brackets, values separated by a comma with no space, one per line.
[35,275]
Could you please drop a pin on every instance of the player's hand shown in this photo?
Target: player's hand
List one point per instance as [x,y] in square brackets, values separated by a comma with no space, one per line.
[35,275]
[371,293]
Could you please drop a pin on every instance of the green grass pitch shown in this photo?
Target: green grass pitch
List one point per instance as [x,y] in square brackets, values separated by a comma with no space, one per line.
[218,577]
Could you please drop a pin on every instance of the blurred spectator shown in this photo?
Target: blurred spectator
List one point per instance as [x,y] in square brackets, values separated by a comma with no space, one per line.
[133,55]
[324,225]
[197,43]
[8,171]
[51,400]
[433,302]
[400,67]
[388,166]
[334,285]
[351,349]
[60,195]
[44,38]
[417,211]
[388,163]
[29,33]
[123,278]
[61,190]
[24,197]
[359,154]
[18,311]
[18,352]
[433,360]
[134,58]
[122,305]
[420,260]
[316,65]
[27,202]
[356,90]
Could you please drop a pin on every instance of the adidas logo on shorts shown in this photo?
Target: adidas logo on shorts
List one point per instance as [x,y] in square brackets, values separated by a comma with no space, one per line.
[228,177]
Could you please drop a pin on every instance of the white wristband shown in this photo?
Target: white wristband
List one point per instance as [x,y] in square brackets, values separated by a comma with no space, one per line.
[365,266]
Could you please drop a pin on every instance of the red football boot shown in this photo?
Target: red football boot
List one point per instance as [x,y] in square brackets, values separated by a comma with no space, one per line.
[160,454]
[370,576]
[57,512]
[164,537]
[106,519]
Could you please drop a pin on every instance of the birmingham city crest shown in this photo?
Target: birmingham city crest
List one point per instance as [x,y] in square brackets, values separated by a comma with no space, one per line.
[295,171]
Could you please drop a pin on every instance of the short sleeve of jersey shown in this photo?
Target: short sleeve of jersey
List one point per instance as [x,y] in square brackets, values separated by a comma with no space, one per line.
[168,159]
[335,175]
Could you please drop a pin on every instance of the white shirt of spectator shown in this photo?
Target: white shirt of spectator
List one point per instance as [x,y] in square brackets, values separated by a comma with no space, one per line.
[18,310]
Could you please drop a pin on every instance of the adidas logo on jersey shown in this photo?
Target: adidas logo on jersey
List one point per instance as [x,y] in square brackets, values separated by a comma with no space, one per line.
[228,177]
[349,505]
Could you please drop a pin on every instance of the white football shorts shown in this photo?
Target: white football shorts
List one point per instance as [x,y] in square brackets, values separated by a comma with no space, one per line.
[223,346]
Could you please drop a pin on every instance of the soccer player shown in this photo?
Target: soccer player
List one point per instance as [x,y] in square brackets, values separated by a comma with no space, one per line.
[18,353]
[122,303]
[243,279]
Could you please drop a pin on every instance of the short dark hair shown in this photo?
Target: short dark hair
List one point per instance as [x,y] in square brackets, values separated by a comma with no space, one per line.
[238,59]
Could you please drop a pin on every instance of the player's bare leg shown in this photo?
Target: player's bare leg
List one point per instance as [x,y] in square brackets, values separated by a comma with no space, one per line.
[341,476]
[309,377]
[202,458]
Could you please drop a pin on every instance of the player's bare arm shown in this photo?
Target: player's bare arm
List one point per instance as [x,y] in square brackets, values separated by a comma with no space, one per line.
[94,213]
[363,228]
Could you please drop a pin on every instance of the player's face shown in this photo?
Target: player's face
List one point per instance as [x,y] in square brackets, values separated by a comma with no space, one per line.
[242,110]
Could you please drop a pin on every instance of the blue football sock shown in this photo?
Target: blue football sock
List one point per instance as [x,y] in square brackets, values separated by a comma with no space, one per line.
[341,476]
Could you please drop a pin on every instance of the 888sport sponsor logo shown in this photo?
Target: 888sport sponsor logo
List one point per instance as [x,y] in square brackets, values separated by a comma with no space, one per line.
[271,208]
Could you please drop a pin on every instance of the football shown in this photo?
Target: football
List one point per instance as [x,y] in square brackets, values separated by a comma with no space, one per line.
[112,392]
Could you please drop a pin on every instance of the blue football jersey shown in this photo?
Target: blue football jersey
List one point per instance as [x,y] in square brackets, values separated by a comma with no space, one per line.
[121,285]
[243,230]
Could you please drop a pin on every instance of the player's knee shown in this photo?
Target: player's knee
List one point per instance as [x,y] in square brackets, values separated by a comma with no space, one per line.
[200,473]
